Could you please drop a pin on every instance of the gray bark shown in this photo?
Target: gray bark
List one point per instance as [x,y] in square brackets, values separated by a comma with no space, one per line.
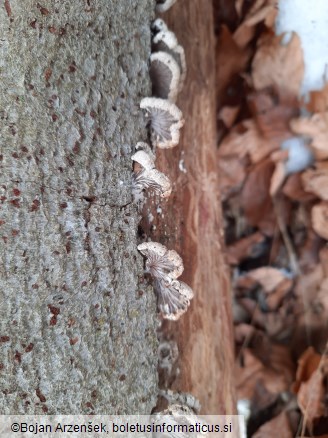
[77,323]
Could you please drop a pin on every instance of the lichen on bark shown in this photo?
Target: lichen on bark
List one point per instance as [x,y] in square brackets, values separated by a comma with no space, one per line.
[77,323]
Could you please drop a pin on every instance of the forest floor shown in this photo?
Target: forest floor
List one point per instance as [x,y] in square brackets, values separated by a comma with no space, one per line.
[273,168]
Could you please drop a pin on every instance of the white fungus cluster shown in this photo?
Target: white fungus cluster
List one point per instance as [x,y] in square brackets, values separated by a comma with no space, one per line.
[149,177]
[165,266]
[167,71]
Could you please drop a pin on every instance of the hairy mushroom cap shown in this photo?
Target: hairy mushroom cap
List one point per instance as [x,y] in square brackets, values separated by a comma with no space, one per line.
[165,120]
[149,177]
[164,5]
[166,41]
[162,181]
[152,179]
[165,76]
[161,262]
[146,160]
[173,298]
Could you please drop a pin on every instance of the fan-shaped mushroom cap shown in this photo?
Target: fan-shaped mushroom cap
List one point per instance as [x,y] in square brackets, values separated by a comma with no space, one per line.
[161,262]
[164,5]
[161,180]
[166,41]
[173,298]
[147,161]
[150,177]
[165,76]
[165,121]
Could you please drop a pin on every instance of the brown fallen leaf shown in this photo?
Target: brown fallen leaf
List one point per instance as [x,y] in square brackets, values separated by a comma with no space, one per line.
[307,364]
[275,63]
[309,253]
[239,7]
[244,140]
[251,371]
[269,278]
[228,115]
[323,255]
[315,127]
[311,394]
[256,200]
[316,181]
[274,299]
[293,189]
[318,102]
[319,216]
[244,248]
[272,113]
[230,61]
[278,425]
[232,173]
[261,11]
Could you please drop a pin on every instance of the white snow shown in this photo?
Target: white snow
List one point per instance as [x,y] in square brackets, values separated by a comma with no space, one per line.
[310,21]
[300,155]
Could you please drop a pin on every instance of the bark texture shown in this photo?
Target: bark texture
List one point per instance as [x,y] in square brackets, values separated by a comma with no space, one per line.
[77,324]
[191,222]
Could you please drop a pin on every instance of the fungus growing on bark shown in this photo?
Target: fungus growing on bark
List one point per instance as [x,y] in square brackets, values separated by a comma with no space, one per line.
[173,297]
[165,120]
[149,177]
[158,25]
[161,262]
[164,5]
[165,76]
[166,266]
[165,40]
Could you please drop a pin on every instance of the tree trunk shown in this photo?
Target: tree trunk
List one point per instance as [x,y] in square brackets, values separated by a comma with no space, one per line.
[77,323]
[191,221]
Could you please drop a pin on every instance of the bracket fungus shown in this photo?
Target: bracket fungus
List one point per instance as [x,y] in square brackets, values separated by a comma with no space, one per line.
[165,266]
[165,76]
[164,5]
[165,120]
[173,298]
[165,40]
[149,176]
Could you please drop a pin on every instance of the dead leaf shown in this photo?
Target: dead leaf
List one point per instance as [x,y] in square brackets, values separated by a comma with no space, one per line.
[311,394]
[269,278]
[293,189]
[307,364]
[274,300]
[270,428]
[251,371]
[244,248]
[230,61]
[318,100]
[316,181]
[272,113]
[232,173]
[309,252]
[244,140]
[228,115]
[256,200]
[323,255]
[239,6]
[319,216]
[315,127]
[262,10]
[275,63]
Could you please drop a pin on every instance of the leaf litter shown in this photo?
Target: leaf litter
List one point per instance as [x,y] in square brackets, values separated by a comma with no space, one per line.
[273,168]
